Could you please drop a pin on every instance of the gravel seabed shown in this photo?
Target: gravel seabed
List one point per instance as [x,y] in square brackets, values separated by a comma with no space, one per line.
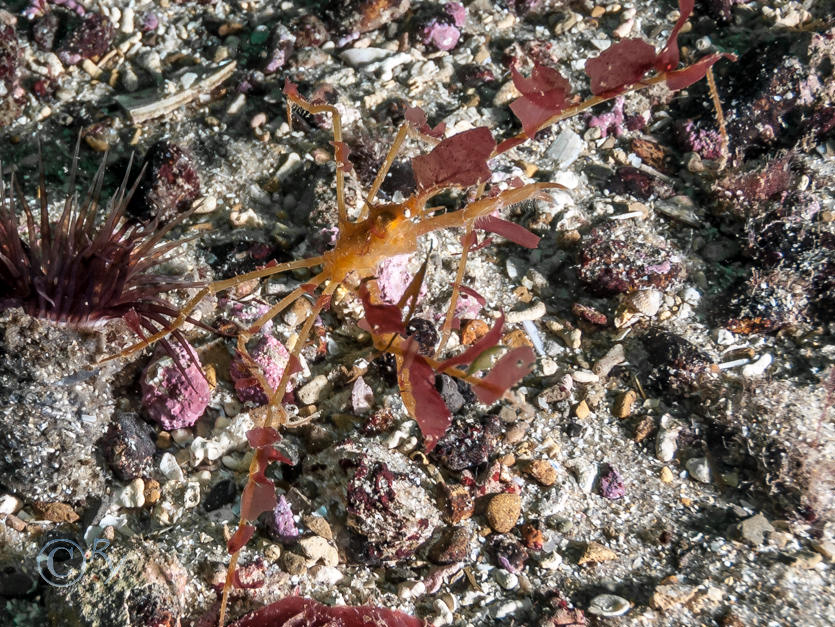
[726,455]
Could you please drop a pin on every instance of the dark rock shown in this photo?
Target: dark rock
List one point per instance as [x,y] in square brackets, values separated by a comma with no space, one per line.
[169,185]
[220,494]
[424,334]
[453,546]
[466,443]
[85,40]
[677,365]
[449,391]
[129,447]
[508,552]
[14,581]
[635,182]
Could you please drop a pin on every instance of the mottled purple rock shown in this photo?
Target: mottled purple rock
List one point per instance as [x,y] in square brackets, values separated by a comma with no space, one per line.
[611,484]
[90,38]
[271,357]
[467,443]
[509,553]
[129,447]
[614,262]
[169,185]
[280,524]
[390,515]
[175,396]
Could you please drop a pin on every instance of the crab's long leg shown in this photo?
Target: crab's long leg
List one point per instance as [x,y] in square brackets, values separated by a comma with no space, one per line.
[273,418]
[483,207]
[243,336]
[213,288]
[456,288]
[402,132]
[322,302]
[337,141]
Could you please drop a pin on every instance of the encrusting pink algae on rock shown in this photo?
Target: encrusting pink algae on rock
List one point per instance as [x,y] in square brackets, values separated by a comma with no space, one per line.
[175,396]
[271,356]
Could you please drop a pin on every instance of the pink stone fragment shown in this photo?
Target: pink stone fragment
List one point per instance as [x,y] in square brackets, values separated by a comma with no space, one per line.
[272,358]
[174,399]
[362,396]
[393,277]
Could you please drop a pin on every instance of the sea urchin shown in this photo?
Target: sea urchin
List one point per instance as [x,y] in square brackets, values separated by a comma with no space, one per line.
[82,270]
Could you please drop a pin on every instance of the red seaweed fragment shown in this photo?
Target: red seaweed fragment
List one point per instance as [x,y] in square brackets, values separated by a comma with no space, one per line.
[300,612]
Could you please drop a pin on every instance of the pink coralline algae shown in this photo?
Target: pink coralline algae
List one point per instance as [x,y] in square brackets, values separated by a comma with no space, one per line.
[271,357]
[443,31]
[393,277]
[281,524]
[610,122]
[175,396]
[704,141]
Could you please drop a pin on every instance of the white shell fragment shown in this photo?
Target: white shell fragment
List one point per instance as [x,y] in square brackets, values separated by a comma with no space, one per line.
[608,605]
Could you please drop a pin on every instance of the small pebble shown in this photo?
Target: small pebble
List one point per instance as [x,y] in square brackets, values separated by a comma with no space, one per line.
[169,467]
[309,393]
[667,475]
[596,553]
[758,367]
[543,472]
[582,410]
[507,580]
[623,404]
[699,469]
[503,512]
[133,494]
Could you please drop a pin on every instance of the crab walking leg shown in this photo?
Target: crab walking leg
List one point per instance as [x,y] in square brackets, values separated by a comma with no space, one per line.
[213,288]
[244,336]
[402,132]
[456,288]
[482,208]
[278,394]
[337,140]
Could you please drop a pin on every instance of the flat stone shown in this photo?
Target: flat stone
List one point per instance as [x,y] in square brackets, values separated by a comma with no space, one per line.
[806,560]
[317,548]
[55,512]
[543,471]
[594,553]
[309,393]
[318,525]
[754,529]
[293,563]
[669,595]
[699,469]
[566,148]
